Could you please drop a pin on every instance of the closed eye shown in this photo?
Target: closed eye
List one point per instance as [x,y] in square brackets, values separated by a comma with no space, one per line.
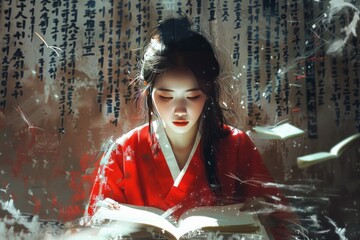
[165,98]
[194,97]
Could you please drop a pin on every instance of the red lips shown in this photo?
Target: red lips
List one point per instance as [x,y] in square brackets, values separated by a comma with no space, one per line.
[180,123]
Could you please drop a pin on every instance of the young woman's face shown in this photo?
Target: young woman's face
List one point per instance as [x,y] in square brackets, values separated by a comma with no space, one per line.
[178,100]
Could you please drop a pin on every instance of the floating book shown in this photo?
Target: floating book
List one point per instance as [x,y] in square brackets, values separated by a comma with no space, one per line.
[224,219]
[282,130]
[335,151]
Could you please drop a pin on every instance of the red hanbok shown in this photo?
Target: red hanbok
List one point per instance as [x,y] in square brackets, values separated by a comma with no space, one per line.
[143,171]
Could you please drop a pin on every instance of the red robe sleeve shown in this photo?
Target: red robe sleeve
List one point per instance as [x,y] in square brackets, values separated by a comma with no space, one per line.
[253,171]
[258,182]
[109,179]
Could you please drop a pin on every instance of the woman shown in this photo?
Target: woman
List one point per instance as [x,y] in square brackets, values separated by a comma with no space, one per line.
[186,155]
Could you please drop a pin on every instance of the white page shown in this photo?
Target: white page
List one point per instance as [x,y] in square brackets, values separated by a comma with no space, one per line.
[229,215]
[136,216]
[283,130]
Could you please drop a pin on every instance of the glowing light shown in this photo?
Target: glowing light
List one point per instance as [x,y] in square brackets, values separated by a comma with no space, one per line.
[339,231]
[5,189]
[294,85]
[350,29]
[55,49]
[26,119]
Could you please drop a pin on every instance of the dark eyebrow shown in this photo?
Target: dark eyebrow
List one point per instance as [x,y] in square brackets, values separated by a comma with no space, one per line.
[170,90]
[193,89]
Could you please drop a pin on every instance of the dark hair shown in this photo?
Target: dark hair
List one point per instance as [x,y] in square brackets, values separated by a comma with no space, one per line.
[171,45]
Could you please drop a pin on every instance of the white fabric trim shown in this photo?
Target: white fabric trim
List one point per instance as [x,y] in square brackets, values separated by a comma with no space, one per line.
[183,171]
[168,153]
[167,150]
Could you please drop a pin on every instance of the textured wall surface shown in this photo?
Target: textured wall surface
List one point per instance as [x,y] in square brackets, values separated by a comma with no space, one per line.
[64,92]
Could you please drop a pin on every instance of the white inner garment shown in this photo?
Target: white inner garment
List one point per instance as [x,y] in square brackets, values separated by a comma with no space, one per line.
[161,136]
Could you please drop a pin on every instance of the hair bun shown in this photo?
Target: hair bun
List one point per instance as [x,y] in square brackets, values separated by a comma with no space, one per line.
[175,29]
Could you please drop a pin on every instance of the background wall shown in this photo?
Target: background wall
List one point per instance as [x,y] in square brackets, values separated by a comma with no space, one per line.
[64,92]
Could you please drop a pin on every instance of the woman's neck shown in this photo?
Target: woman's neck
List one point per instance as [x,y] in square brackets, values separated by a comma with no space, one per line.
[182,143]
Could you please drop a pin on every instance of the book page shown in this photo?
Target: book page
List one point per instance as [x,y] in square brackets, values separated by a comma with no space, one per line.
[340,147]
[136,215]
[311,159]
[224,218]
[282,131]
[308,160]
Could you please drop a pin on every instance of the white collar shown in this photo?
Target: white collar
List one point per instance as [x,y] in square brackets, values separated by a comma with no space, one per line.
[168,153]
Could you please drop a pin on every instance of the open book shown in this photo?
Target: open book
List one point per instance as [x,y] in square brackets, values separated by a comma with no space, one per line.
[224,219]
[281,130]
[335,151]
